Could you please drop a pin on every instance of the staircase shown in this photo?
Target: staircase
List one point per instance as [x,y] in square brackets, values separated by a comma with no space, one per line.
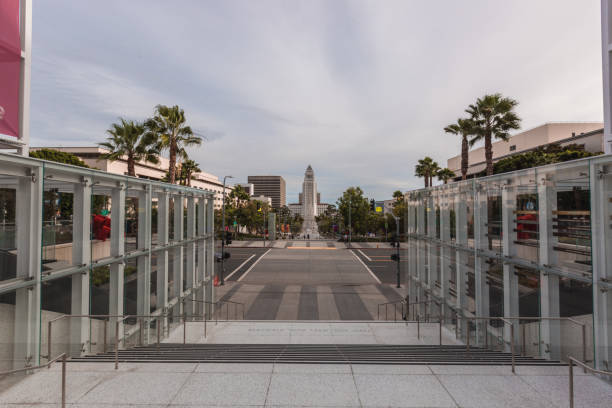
[316,354]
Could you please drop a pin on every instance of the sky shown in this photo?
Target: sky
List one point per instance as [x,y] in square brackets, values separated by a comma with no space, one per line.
[360,90]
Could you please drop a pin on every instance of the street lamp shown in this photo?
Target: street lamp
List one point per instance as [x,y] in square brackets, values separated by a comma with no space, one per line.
[223,232]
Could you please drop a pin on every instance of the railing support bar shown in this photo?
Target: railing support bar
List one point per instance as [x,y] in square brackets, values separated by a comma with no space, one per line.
[117,344]
[571,383]
[64,380]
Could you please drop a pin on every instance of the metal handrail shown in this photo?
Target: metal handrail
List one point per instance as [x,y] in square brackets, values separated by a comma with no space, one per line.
[573,361]
[394,303]
[226,309]
[47,365]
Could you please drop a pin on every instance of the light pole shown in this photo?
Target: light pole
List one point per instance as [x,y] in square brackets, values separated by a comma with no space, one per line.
[223,232]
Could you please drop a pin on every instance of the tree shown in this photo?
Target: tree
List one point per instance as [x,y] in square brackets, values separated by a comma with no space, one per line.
[128,139]
[168,125]
[359,206]
[188,169]
[398,195]
[464,128]
[445,174]
[58,156]
[492,117]
[426,168]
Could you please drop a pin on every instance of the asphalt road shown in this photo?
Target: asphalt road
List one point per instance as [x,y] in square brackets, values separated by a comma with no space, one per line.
[378,260]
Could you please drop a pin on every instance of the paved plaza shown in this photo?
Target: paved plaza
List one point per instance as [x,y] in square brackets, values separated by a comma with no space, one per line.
[309,280]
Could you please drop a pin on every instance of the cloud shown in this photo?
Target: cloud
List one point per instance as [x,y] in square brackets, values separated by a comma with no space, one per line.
[358,89]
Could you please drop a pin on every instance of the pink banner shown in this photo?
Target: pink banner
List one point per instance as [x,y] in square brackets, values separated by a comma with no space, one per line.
[10,61]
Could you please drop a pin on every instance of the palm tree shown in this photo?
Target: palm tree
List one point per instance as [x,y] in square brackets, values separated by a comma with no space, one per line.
[463,127]
[426,168]
[168,125]
[398,195]
[188,168]
[492,116]
[128,139]
[445,174]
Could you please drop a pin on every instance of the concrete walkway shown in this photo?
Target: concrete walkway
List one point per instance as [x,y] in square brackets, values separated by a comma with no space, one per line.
[256,385]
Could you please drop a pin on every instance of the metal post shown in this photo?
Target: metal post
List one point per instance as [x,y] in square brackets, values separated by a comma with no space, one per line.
[571,383]
[395,312]
[158,330]
[49,342]
[469,323]
[386,312]
[222,280]
[116,344]
[524,343]
[512,345]
[140,334]
[418,328]
[184,328]
[204,321]
[64,380]
[584,357]
[440,324]
[105,334]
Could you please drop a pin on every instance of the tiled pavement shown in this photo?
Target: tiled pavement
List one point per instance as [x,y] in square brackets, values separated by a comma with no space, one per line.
[287,385]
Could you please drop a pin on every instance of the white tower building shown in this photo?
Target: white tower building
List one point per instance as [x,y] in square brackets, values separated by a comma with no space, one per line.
[309,194]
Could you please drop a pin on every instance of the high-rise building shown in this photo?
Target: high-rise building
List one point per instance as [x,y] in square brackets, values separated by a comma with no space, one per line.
[270,186]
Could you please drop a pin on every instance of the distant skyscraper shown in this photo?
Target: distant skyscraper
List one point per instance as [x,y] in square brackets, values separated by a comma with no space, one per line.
[270,186]
[309,195]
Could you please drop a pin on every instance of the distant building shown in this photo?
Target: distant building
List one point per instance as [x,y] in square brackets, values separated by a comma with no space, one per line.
[307,207]
[262,199]
[270,186]
[588,134]
[248,187]
[91,156]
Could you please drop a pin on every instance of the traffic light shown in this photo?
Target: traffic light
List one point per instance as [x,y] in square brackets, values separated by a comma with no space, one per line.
[395,257]
[372,205]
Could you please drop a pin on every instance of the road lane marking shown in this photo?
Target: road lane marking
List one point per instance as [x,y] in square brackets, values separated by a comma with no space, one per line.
[318,248]
[366,257]
[365,266]
[241,265]
[254,263]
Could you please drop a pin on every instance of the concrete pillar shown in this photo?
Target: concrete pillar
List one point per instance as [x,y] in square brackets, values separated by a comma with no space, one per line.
[117,244]
[163,208]
[81,255]
[28,219]
[143,297]
[445,250]
[201,250]
[461,228]
[511,292]
[177,267]
[549,284]
[190,273]
[601,213]
[210,250]
[481,295]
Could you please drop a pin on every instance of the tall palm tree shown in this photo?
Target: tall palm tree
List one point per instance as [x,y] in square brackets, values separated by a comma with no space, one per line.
[130,140]
[188,168]
[168,124]
[492,116]
[464,128]
[445,174]
[426,168]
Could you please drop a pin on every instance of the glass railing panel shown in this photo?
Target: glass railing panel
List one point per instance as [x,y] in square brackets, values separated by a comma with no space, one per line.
[8,227]
[101,213]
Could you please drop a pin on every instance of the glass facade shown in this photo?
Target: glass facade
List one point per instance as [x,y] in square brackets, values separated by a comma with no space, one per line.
[528,252]
[84,243]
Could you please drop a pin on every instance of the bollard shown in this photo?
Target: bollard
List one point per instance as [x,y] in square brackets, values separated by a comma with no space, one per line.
[386,312]
[571,383]
[395,312]
[117,344]
[64,380]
